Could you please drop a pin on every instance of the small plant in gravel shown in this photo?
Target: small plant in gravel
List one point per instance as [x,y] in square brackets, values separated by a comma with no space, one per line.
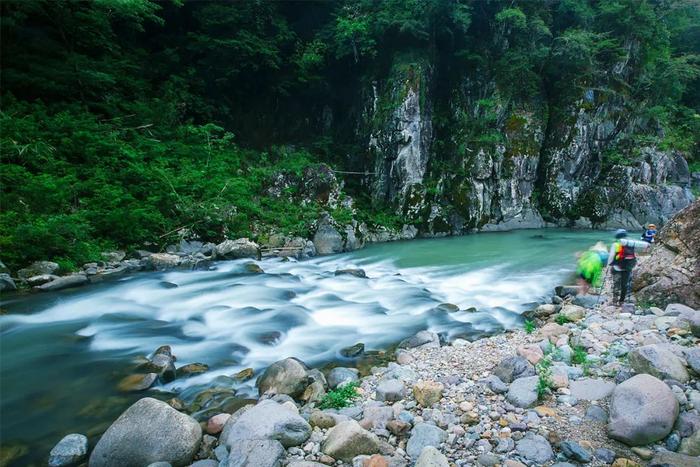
[544,374]
[579,356]
[529,326]
[340,397]
[561,319]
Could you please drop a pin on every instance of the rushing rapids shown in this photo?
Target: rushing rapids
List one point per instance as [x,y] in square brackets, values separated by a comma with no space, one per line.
[64,353]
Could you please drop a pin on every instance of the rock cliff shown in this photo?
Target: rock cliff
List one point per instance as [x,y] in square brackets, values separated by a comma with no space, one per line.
[672,271]
[466,158]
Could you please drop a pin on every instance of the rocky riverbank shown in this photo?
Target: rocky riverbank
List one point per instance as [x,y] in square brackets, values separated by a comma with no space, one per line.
[330,238]
[588,384]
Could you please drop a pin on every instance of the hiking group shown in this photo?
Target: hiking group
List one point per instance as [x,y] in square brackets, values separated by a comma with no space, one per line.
[620,259]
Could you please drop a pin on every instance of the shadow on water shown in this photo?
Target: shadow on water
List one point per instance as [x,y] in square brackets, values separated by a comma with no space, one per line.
[64,353]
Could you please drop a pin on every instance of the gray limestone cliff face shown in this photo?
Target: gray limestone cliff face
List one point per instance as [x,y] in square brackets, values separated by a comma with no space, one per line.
[541,169]
[401,141]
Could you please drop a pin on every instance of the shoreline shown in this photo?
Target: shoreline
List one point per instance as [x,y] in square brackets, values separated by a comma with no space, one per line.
[440,402]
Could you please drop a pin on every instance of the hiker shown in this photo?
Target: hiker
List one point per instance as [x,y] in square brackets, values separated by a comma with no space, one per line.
[649,234]
[622,258]
[590,267]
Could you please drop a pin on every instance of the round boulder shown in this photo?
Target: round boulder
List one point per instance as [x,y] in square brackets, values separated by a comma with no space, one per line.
[348,439]
[148,431]
[266,420]
[512,368]
[341,375]
[658,361]
[288,376]
[642,410]
[71,450]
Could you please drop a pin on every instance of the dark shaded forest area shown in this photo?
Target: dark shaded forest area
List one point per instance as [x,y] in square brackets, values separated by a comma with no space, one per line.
[125,123]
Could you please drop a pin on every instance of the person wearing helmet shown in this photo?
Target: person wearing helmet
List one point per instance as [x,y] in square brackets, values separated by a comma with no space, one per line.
[649,234]
[622,259]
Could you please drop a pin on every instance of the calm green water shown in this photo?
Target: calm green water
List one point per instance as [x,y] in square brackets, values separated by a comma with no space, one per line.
[63,353]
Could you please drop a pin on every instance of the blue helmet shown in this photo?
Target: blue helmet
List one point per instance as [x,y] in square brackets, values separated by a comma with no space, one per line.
[620,233]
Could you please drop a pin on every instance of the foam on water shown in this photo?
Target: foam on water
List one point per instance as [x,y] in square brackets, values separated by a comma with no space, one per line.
[231,320]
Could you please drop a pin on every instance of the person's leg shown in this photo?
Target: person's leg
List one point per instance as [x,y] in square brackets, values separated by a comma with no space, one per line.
[624,284]
[616,285]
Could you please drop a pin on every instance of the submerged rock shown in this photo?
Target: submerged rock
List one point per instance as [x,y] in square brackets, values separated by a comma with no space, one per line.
[353,351]
[191,369]
[70,451]
[148,431]
[137,382]
[352,272]
[423,339]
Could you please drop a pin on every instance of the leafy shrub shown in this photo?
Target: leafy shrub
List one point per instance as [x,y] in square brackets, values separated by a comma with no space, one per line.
[561,319]
[340,397]
[544,377]
[579,356]
[529,326]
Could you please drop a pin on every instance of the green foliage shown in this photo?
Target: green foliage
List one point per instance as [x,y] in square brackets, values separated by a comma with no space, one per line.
[118,117]
[340,397]
[579,356]
[529,326]
[561,319]
[544,377]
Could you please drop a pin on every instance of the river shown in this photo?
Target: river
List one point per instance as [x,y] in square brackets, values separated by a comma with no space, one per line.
[63,353]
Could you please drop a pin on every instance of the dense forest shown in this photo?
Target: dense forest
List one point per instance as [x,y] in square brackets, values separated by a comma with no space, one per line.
[128,122]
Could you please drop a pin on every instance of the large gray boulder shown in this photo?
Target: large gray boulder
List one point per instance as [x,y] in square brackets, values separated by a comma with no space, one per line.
[431,457]
[37,268]
[691,318]
[327,239]
[341,375]
[672,459]
[422,435]
[148,431]
[65,282]
[591,389]
[642,410]
[236,249]
[71,450]
[512,368]
[6,283]
[288,376]
[523,392]
[348,439]
[255,453]
[390,390]
[423,339]
[658,361]
[535,449]
[266,420]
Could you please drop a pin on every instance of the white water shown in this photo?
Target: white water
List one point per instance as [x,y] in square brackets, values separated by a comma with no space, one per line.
[231,320]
